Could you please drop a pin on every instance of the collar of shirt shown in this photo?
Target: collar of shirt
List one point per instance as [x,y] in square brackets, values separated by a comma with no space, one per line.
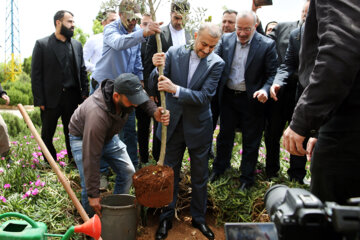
[246,44]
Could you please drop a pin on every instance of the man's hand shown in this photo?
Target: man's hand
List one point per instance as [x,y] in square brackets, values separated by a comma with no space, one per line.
[159,59]
[6,98]
[261,95]
[274,90]
[162,116]
[95,204]
[155,99]
[42,107]
[166,85]
[293,142]
[310,148]
[152,28]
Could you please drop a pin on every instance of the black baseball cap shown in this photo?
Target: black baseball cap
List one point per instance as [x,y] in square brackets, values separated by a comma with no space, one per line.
[129,85]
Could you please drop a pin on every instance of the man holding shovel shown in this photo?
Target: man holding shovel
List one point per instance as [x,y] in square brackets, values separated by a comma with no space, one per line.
[190,79]
[93,134]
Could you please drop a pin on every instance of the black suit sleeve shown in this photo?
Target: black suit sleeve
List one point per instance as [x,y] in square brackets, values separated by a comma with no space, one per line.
[290,64]
[151,49]
[37,75]
[260,29]
[336,65]
[84,82]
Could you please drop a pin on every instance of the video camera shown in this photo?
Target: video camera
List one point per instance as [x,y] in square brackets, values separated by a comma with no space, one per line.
[298,214]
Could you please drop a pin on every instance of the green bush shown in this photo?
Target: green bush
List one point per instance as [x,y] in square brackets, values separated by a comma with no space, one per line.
[17,126]
[19,91]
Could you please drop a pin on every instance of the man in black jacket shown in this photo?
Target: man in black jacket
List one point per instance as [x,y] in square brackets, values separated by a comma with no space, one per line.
[330,106]
[172,34]
[58,78]
[279,112]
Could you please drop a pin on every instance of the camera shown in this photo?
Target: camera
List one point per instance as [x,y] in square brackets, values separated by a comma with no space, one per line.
[298,214]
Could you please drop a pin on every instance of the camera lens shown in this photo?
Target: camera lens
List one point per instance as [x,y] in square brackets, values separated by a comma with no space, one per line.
[274,196]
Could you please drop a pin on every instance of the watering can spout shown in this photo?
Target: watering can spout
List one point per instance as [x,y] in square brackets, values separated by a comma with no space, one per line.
[91,228]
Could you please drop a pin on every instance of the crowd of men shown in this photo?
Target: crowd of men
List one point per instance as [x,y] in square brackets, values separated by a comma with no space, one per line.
[238,75]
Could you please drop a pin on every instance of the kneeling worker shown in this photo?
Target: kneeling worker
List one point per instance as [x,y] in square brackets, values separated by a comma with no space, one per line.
[93,132]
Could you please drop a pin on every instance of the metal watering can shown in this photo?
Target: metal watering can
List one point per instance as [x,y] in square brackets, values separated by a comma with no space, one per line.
[31,230]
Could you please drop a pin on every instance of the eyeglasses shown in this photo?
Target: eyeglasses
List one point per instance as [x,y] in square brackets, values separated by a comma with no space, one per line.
[246,30]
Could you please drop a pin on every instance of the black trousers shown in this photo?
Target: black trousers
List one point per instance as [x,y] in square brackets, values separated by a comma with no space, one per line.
[335,166]
[199,156]
[278,114]
[143,133]
[49,118]
[235,110]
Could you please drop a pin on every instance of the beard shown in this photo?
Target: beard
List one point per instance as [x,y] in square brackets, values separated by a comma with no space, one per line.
[125,110]
[67,32]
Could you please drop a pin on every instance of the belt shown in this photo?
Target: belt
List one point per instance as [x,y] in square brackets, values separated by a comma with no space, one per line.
[235,92]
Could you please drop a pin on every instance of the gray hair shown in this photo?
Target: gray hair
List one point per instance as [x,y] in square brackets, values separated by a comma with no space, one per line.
[214,29]
[245,14]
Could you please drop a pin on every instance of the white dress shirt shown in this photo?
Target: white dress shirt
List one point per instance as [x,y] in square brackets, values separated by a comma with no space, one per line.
[93,51]
[177,36]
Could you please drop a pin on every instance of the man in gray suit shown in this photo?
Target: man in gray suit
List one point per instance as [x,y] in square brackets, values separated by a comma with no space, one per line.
[190,79]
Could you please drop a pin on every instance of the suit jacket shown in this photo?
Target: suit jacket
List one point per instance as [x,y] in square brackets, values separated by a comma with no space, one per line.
[192,107]
[47,72]
[330,68]
[260,66]
[291,62]
[151,48]
[281,34]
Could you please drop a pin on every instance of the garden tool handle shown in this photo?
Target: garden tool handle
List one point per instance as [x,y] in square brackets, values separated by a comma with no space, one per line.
[19,215]
[64,181]
[162,93]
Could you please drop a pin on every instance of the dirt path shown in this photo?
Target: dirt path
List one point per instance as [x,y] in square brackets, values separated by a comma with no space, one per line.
[181,230]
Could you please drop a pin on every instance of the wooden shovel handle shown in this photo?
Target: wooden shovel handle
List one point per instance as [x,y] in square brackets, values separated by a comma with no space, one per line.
[64,181]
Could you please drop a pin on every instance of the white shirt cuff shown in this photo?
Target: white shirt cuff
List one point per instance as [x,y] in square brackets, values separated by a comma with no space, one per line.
[177,92]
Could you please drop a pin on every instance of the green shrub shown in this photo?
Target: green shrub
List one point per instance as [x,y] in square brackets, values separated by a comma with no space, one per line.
[15,125]
[35,117]
[19,91]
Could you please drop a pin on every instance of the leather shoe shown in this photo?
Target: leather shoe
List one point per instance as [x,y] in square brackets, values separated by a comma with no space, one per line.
[162,231]
[244,186]
[213,177]
[204,229]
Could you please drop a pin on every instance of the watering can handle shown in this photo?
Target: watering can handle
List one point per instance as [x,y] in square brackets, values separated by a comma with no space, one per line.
[19,215]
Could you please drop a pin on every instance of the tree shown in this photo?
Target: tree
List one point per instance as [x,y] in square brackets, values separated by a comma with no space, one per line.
[80,35]
[26,67]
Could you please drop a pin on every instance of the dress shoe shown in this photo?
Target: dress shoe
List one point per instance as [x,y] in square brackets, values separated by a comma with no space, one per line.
[162,231]
[213,177]
[244,186]
[204,229]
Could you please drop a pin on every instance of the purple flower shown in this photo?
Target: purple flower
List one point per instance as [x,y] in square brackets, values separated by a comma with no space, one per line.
[38,182]
[1,170]
[42,184]
[63,164]
[7,185]
[36,161]
[2,158]
[2,198]
[241,151]
[24,137]
[27,143]
[35,192]
[189,159]
[34,154]
[8,165]
[31,136]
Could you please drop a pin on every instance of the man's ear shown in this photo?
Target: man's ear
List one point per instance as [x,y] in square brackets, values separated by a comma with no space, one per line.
[195,35]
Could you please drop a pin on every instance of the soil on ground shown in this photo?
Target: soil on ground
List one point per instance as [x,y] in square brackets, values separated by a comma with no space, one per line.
[181,230]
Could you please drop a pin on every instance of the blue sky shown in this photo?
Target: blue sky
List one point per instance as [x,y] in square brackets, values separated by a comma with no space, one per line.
[36,16]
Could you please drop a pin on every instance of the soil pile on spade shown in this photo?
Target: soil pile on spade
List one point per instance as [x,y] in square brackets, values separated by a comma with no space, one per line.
[154,186]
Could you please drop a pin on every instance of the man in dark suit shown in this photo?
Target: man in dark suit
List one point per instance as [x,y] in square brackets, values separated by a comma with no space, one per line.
[284,73]
[279,112]
[58,78]
[250,67]
[172,34]
[143,119]
[190,81]
[330,104]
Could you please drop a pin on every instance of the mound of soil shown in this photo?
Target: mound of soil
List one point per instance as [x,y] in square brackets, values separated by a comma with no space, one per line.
[154,186]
